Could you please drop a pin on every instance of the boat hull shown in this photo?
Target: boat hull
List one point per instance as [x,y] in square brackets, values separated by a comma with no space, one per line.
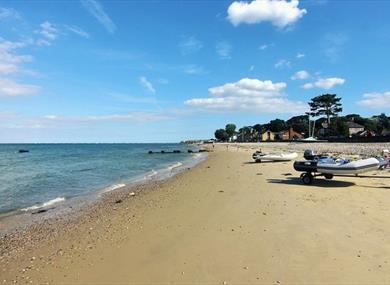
[275,157]
[354,167]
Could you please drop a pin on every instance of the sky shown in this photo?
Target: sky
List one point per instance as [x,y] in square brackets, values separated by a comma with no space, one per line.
[166,71]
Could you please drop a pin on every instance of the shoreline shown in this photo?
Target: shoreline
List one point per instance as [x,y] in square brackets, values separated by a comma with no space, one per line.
[225,221]
[18,243]
[19,219]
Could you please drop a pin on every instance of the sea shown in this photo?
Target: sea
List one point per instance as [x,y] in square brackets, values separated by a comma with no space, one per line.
[50,174]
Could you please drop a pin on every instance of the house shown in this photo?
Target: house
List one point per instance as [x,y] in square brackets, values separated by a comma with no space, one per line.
[385,133]
[268,136]
[289,134]
[286,135]
[354,128]
[365,134]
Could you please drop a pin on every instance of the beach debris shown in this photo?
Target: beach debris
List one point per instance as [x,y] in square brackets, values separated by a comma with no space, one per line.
[246,267]
[131,194]
[264,213]
[287,174]
[224,282]
[118,201]
[259,173]
[221,191]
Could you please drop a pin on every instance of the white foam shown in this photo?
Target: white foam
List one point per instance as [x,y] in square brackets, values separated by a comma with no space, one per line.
[176,165]
[44,205]
[152,173]
[114,187]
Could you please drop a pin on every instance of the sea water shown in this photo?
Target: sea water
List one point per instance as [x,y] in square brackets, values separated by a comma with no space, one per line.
[50,174]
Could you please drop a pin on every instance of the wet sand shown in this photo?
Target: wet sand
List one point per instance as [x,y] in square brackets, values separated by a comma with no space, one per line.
[226,221]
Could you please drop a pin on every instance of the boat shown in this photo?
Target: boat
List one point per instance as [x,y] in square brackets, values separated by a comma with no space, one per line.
[260,156]
[343,166]
[310,140]
[317,165]
[383,162]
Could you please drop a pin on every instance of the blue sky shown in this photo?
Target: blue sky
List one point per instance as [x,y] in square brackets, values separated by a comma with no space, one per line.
[164,71]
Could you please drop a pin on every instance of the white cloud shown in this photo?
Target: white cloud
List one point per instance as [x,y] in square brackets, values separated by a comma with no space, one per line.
[6,13]
[78,31]
[248,95]
[97,11]
[190,45]
[48,31]
[325,83]
[334,44]
[375,100]
[223,50]
[263,47]
[194,69]
[7,68]
[144,116]
[10,88]
[282,63]
[10,61]
[280,13]
[300,55]
[147,84]
[300,75]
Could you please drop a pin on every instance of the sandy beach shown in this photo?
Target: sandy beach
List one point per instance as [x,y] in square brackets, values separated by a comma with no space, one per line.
[225,221]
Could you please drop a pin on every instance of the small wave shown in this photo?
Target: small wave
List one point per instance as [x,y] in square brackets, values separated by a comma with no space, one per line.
[196,155]
[176,165]
[152,173]
[44,205]
[114,187]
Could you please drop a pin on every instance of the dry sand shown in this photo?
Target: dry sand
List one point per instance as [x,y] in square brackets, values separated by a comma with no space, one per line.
[226,221]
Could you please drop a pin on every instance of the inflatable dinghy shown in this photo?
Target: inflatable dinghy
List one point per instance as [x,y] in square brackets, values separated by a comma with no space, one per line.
[260,156]
[342,167]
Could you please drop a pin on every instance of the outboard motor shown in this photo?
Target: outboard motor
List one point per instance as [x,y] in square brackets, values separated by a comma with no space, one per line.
[310,154]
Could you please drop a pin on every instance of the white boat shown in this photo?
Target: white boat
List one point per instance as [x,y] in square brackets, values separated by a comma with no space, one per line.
[259,156]
[340,167]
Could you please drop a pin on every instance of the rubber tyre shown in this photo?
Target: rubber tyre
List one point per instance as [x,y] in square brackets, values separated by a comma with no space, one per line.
[307,179]
[328,176]
[258,160]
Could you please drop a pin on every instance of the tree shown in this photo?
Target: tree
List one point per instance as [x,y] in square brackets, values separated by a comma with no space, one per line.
[221,135]
[245,134]
[383,122]
[339,127]
[259,129]
[230,129]
[299,124]
[326,104]
[277,125]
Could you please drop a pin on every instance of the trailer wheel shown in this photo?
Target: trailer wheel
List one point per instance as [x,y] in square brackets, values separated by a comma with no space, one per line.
[328,176]
[258,160]
[307,178]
